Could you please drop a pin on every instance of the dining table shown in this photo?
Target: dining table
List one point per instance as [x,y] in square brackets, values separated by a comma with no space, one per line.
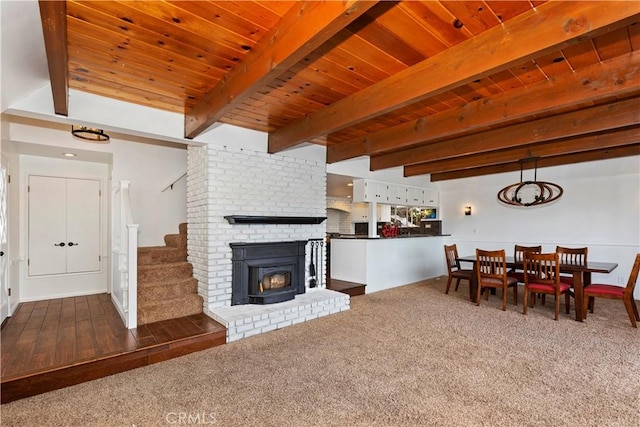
[581,274]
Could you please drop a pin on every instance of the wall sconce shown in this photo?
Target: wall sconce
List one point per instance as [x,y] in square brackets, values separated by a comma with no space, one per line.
[467,210]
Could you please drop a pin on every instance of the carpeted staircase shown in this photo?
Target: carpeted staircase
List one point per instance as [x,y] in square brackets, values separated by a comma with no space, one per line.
[166,287]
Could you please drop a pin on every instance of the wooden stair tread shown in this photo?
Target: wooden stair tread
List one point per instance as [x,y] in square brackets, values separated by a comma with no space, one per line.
[349,288]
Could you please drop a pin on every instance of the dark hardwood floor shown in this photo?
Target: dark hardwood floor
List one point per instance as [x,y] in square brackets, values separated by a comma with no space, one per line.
[56,343]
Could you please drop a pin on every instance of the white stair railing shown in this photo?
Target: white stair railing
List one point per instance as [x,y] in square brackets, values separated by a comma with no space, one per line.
[124,268]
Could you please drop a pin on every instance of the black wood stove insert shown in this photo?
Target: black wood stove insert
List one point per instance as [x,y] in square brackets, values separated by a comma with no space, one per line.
[267,273]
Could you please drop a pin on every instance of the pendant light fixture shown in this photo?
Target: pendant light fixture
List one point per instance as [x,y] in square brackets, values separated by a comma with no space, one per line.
[94,135]
[530,193]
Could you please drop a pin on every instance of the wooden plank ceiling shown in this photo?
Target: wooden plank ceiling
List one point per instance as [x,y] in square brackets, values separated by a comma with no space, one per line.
[447,88]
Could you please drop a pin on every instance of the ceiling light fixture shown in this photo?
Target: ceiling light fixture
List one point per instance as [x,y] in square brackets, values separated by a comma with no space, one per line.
[530,193]
[90,134]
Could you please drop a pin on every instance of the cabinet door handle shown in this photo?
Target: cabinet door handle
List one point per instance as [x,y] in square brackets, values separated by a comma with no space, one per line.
[73,244]
[61,244]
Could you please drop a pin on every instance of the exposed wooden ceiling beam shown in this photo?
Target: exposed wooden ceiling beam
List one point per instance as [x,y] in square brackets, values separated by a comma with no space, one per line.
[589,120]
[557,25]
[53,15]
[616,77]
[304,28]
[579,144]
[600,154]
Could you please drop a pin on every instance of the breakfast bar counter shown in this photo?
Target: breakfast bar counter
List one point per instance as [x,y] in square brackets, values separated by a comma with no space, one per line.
[384,263]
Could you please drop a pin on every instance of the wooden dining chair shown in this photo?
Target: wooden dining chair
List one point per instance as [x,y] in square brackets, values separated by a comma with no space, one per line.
[577,256]
[453,267]
[491,270]
[518,257]
[542,276]
[615,292]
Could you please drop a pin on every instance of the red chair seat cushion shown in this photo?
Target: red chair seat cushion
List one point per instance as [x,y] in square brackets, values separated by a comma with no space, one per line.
[547,289]
[608,290]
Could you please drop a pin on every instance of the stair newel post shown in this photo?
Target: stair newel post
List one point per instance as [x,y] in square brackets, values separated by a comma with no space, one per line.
[124,287]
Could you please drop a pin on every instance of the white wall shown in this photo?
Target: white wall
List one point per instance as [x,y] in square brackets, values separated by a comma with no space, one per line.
[149,168]
[600,208]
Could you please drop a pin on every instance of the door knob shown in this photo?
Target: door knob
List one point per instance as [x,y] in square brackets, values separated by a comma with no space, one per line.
[59,244]
[1,253]
[73,244]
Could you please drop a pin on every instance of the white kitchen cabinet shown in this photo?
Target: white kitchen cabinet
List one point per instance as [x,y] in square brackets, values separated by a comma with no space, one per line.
[415,196]
[365,190]
[431,198]
[360,212]
[397,194]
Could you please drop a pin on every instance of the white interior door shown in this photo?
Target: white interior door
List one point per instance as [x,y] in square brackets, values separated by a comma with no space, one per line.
[83,225]
[47,225]
[4,241]
[64,225]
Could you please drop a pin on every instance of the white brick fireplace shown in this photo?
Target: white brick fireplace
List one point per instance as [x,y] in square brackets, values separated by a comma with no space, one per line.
[226,181]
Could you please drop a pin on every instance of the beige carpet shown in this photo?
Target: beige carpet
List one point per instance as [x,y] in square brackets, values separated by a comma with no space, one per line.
[409,356]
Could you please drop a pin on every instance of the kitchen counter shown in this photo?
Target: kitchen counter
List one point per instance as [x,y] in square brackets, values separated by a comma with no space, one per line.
[384,263]
[404,236]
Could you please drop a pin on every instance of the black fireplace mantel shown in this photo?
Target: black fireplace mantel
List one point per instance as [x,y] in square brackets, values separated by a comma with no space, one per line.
[260,219]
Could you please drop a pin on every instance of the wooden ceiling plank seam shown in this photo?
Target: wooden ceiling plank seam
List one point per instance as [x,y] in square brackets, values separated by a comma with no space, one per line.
[581,54]
[508,9]
[553,64]
[139,52]
[257,14]
[338,75]
[589,120]
[613,44]
[438,21]
[600,80]
[475,15]
[496,49]
[133,79]
[403,25]
[122,89]
[179,77]
[634,36]
[214,14]
[278,7]
[88,60]
[130,16]
[148,99]
[309,82]
[588,156]
[304,28]
[109,22]
[174,16]
[53,16]
[609,139]
[370,30]
[349,55]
